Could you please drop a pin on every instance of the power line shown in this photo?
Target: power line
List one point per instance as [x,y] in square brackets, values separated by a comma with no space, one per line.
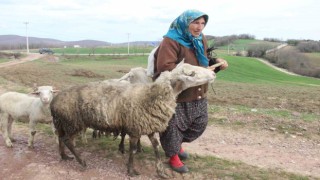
[27,38]
[128,43]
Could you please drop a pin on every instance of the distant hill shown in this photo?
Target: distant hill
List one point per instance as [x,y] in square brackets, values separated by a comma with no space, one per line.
[9,42]
[18,42]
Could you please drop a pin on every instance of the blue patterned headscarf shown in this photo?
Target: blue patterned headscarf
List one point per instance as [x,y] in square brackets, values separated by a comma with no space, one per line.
[179,31]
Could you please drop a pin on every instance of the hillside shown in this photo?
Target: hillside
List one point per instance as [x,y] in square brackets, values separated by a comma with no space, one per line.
[9,42]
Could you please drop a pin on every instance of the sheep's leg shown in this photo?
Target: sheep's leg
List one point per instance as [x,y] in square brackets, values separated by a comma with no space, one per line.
[133,148]
[10,122]
[139,147]
[69,143]
[94,134]
[4,118]
[121,144]
[62,152]
[159,165]
[32,132]
[84,136]
[55,133]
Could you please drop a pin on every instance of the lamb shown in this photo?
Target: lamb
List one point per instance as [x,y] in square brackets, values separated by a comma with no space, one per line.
[139,109]
[135,75]
[14,105]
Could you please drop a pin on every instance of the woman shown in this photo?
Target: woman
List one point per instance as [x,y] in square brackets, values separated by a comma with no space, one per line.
[184,40]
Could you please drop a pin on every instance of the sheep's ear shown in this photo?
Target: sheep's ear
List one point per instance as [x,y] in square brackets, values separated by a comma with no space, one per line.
[55,91]
[126,77]
[35,87]
[37,93]
[180,63]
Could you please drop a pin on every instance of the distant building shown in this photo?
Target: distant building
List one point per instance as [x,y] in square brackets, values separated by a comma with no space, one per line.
[76,46]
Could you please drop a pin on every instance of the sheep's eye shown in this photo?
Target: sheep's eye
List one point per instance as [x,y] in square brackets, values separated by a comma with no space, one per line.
[192,73]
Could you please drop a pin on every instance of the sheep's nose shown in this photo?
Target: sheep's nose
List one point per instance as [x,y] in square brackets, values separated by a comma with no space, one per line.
[45,100]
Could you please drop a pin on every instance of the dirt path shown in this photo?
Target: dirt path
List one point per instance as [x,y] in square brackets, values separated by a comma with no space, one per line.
[29,57]
[277,68]
[263,149]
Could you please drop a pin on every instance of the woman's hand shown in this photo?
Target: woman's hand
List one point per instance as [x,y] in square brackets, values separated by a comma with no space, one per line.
[223,64]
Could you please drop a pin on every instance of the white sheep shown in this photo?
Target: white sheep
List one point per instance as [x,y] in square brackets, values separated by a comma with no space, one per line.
[26,108]
[140,109]
[150,66]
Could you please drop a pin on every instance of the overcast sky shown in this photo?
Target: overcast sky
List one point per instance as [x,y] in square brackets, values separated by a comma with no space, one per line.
[149,20]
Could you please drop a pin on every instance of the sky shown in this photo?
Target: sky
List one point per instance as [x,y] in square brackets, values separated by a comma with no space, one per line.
[117,21]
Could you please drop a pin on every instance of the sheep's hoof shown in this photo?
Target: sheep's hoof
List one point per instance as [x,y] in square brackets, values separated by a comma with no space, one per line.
[9,144]
[163,175]
[139,150]
[65,157]
[12,140]
[83,164]
[161,172]
[133,172]
[121,150]
[30,146]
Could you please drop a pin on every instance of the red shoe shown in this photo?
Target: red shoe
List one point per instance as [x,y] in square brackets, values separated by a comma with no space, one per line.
[183,155]
[177,165]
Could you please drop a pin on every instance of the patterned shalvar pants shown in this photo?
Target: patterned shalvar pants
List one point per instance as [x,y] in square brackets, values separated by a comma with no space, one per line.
[186,125]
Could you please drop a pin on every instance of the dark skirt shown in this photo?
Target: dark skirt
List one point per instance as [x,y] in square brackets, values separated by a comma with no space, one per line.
[186,125]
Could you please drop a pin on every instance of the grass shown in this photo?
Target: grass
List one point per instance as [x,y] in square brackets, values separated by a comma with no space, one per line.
[2,60]
[283,121]
[102,50]
[314,59]
[249,70]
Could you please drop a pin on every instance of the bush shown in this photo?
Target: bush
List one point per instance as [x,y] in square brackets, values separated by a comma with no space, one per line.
[294,61]
[258,50]
[309,46]
[10,55]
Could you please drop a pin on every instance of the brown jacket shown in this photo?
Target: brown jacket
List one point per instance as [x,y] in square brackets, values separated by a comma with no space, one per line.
[168,55]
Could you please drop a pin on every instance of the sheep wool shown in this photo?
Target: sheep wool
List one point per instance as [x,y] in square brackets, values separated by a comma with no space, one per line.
[137,108]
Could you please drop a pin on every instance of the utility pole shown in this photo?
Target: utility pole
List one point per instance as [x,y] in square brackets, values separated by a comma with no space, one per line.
[27,38]
[128,43]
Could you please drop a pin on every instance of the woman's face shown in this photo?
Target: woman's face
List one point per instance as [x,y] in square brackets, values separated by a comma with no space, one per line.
[196,26]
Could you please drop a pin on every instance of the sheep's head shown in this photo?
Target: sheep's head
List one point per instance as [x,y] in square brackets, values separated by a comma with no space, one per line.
[136,75]
[45,93]
[184,76]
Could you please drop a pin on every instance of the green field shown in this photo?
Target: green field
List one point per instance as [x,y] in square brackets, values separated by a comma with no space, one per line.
[242,45]
[3,60]
[249,70]
[102,50]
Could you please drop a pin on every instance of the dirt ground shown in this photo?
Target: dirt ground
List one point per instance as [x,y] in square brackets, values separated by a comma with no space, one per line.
[263,148]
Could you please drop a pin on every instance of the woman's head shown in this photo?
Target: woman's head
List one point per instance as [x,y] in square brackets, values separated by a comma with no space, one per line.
[187,30]
[190,21]
[196,26]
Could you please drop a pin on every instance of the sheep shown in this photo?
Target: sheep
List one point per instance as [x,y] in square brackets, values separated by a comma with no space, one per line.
[14,105]
[150,66]
[135,75]
[139,109]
